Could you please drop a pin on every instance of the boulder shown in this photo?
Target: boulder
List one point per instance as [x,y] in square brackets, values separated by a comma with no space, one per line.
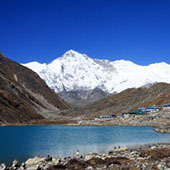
[56,160]
[15,163]
[2,166]
[23,166]
[34,161]
[78,155]
[89,156]
[89,168]
[162,166]
[48,158]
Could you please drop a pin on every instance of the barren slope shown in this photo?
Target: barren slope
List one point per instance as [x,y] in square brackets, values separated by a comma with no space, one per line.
[24,96]
[157,94]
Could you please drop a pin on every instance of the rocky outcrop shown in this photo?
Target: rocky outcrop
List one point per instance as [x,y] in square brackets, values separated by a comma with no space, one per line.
[79,98]
[24,96]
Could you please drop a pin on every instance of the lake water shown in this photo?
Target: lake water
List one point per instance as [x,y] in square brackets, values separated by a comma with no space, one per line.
[27,141]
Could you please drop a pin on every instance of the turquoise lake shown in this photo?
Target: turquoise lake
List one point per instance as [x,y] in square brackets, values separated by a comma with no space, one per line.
[23,142]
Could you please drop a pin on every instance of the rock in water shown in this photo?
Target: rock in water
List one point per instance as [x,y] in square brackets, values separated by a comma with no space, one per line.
[2,166]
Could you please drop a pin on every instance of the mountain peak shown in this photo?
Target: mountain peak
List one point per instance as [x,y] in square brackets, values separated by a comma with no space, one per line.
[74,54]
[76,71]
[71,53]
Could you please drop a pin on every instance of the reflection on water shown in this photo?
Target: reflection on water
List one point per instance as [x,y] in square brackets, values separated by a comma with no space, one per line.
[28,141]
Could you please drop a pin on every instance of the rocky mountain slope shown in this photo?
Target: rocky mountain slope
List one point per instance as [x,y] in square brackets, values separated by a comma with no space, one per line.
[74,71]
[80,98]
[133,98]
[24,96]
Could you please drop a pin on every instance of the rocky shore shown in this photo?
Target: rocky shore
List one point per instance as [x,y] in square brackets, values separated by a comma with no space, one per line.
[148,157]
[163,129]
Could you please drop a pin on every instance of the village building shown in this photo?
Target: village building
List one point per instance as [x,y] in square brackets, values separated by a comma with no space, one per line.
[105,117]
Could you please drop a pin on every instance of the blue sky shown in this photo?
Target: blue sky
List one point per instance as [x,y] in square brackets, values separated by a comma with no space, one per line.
[41,30]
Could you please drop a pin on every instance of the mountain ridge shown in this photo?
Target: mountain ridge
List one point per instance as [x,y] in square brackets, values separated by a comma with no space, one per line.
[24,96]
[129,99]
[75,71]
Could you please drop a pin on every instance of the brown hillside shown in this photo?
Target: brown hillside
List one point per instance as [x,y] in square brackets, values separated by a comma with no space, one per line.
[129,99]
[24,96]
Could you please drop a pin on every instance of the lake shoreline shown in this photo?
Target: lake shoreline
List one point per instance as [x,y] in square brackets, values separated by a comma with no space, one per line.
[159,120]
[152,156]
[158,128]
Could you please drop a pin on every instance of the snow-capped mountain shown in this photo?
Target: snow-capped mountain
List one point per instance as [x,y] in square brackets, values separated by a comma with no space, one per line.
[76,71]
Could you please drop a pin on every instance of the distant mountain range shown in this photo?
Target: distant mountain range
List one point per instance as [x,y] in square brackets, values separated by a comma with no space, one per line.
[24,96]
[75,71]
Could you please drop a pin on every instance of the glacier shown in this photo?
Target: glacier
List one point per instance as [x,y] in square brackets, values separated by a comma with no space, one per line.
[75,71]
